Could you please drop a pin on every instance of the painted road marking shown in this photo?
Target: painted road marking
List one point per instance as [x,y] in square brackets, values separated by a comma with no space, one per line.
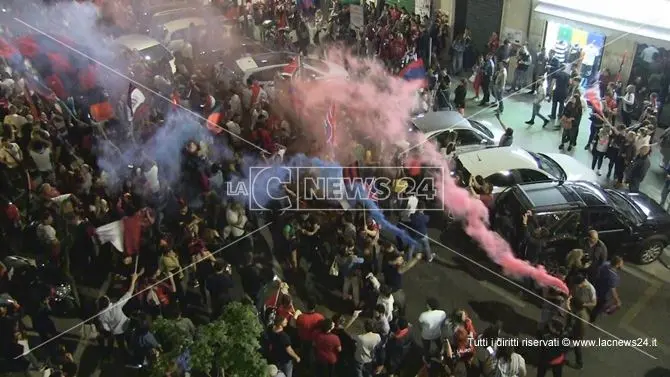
[503,293]
[630,315]
[648,278]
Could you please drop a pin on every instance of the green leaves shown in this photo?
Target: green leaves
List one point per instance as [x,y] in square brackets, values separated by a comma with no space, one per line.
[230,343]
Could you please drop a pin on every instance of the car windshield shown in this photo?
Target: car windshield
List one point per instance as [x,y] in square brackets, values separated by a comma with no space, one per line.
[156,53]
[547,164]
[317,64]
[481,128]
[624,206]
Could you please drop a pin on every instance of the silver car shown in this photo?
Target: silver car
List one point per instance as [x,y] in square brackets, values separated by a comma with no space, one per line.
[471,134]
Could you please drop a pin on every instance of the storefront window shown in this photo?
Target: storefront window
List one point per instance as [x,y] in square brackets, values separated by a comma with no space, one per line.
[576,48]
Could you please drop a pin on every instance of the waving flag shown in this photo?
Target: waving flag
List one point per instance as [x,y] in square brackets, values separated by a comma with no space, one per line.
[9,52]
[413,71]
[293,68]
[372,191]
[330,124]
[593,97]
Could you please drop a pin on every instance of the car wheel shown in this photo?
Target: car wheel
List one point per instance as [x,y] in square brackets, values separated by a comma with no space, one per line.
[650,251]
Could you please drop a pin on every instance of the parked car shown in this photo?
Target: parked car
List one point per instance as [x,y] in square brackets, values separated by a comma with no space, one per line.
[153,18]
[470,134]
[146,46]
[227,51]
[265,67]
[507,166]
[628,223]
[173,34]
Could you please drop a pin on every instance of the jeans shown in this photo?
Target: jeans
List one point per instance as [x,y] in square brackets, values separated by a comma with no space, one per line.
[627,118]
[536,112]
[570,136]
[560,102]
[424,243]
[498,94]
[597,159]
[519,79]
[579,359]
[286,367]
[556,370]
[363,370]
[665,191]
[427,343]
[351,283]
[634,185]
[593,132]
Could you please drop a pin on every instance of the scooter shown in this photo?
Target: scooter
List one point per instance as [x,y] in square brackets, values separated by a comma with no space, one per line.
[30,280]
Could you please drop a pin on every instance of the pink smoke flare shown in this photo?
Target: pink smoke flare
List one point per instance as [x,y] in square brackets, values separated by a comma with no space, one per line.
[377,106]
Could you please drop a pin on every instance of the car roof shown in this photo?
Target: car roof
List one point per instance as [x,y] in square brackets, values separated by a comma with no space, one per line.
[558,195]
[439,120]
[136,41]
[173,10]
[183,23]
[259,61]
[488,161]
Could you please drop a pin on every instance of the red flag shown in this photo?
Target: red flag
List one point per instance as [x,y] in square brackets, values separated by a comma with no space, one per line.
[255,92]
[592,96]
[174,98]
[292,67]
[213,122]
[31,104]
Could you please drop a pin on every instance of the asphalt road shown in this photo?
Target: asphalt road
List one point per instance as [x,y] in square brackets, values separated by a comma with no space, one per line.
[459,283]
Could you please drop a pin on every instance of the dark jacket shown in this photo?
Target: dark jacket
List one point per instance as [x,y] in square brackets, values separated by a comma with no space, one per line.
[639,169]
[397,349]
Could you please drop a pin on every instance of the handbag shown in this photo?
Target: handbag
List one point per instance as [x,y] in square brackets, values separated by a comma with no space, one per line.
[566,123]
[334,269]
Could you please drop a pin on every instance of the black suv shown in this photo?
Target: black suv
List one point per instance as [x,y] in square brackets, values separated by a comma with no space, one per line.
[627,223]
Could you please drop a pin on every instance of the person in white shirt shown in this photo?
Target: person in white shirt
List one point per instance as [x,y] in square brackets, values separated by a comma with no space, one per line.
[628,105]
[648,54]
[46,233]
[237,220]
[150,172]
[431,322]
[39,149]
[499,84]
[509,363]
[112,321]
[410,209]
[366,345]
[540,96]
[386,300]
[235,103]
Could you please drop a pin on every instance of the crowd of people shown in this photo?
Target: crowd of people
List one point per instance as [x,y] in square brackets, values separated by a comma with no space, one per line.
[188,241]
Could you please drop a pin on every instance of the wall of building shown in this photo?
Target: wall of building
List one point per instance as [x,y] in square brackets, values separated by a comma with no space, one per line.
[446,6]
[617,44]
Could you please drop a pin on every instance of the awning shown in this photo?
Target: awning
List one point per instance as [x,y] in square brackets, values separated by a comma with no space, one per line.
[619,15]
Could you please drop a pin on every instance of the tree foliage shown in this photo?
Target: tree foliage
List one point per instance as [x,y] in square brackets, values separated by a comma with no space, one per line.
[230,343]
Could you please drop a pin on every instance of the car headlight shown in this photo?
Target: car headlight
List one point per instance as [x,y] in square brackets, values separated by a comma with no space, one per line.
[63,291]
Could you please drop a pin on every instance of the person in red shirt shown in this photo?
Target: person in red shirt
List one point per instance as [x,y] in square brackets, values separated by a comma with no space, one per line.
[327,348]
[307,325]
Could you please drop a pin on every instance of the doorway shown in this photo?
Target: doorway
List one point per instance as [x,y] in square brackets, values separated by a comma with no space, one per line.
[460,16]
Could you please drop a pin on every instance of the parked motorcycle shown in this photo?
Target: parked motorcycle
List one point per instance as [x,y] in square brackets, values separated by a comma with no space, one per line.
[30,281]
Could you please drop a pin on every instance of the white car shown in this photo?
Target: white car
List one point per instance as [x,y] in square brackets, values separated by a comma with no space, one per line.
[470,134]
[265,67]
[508,166]
[149,48]
[173,33]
